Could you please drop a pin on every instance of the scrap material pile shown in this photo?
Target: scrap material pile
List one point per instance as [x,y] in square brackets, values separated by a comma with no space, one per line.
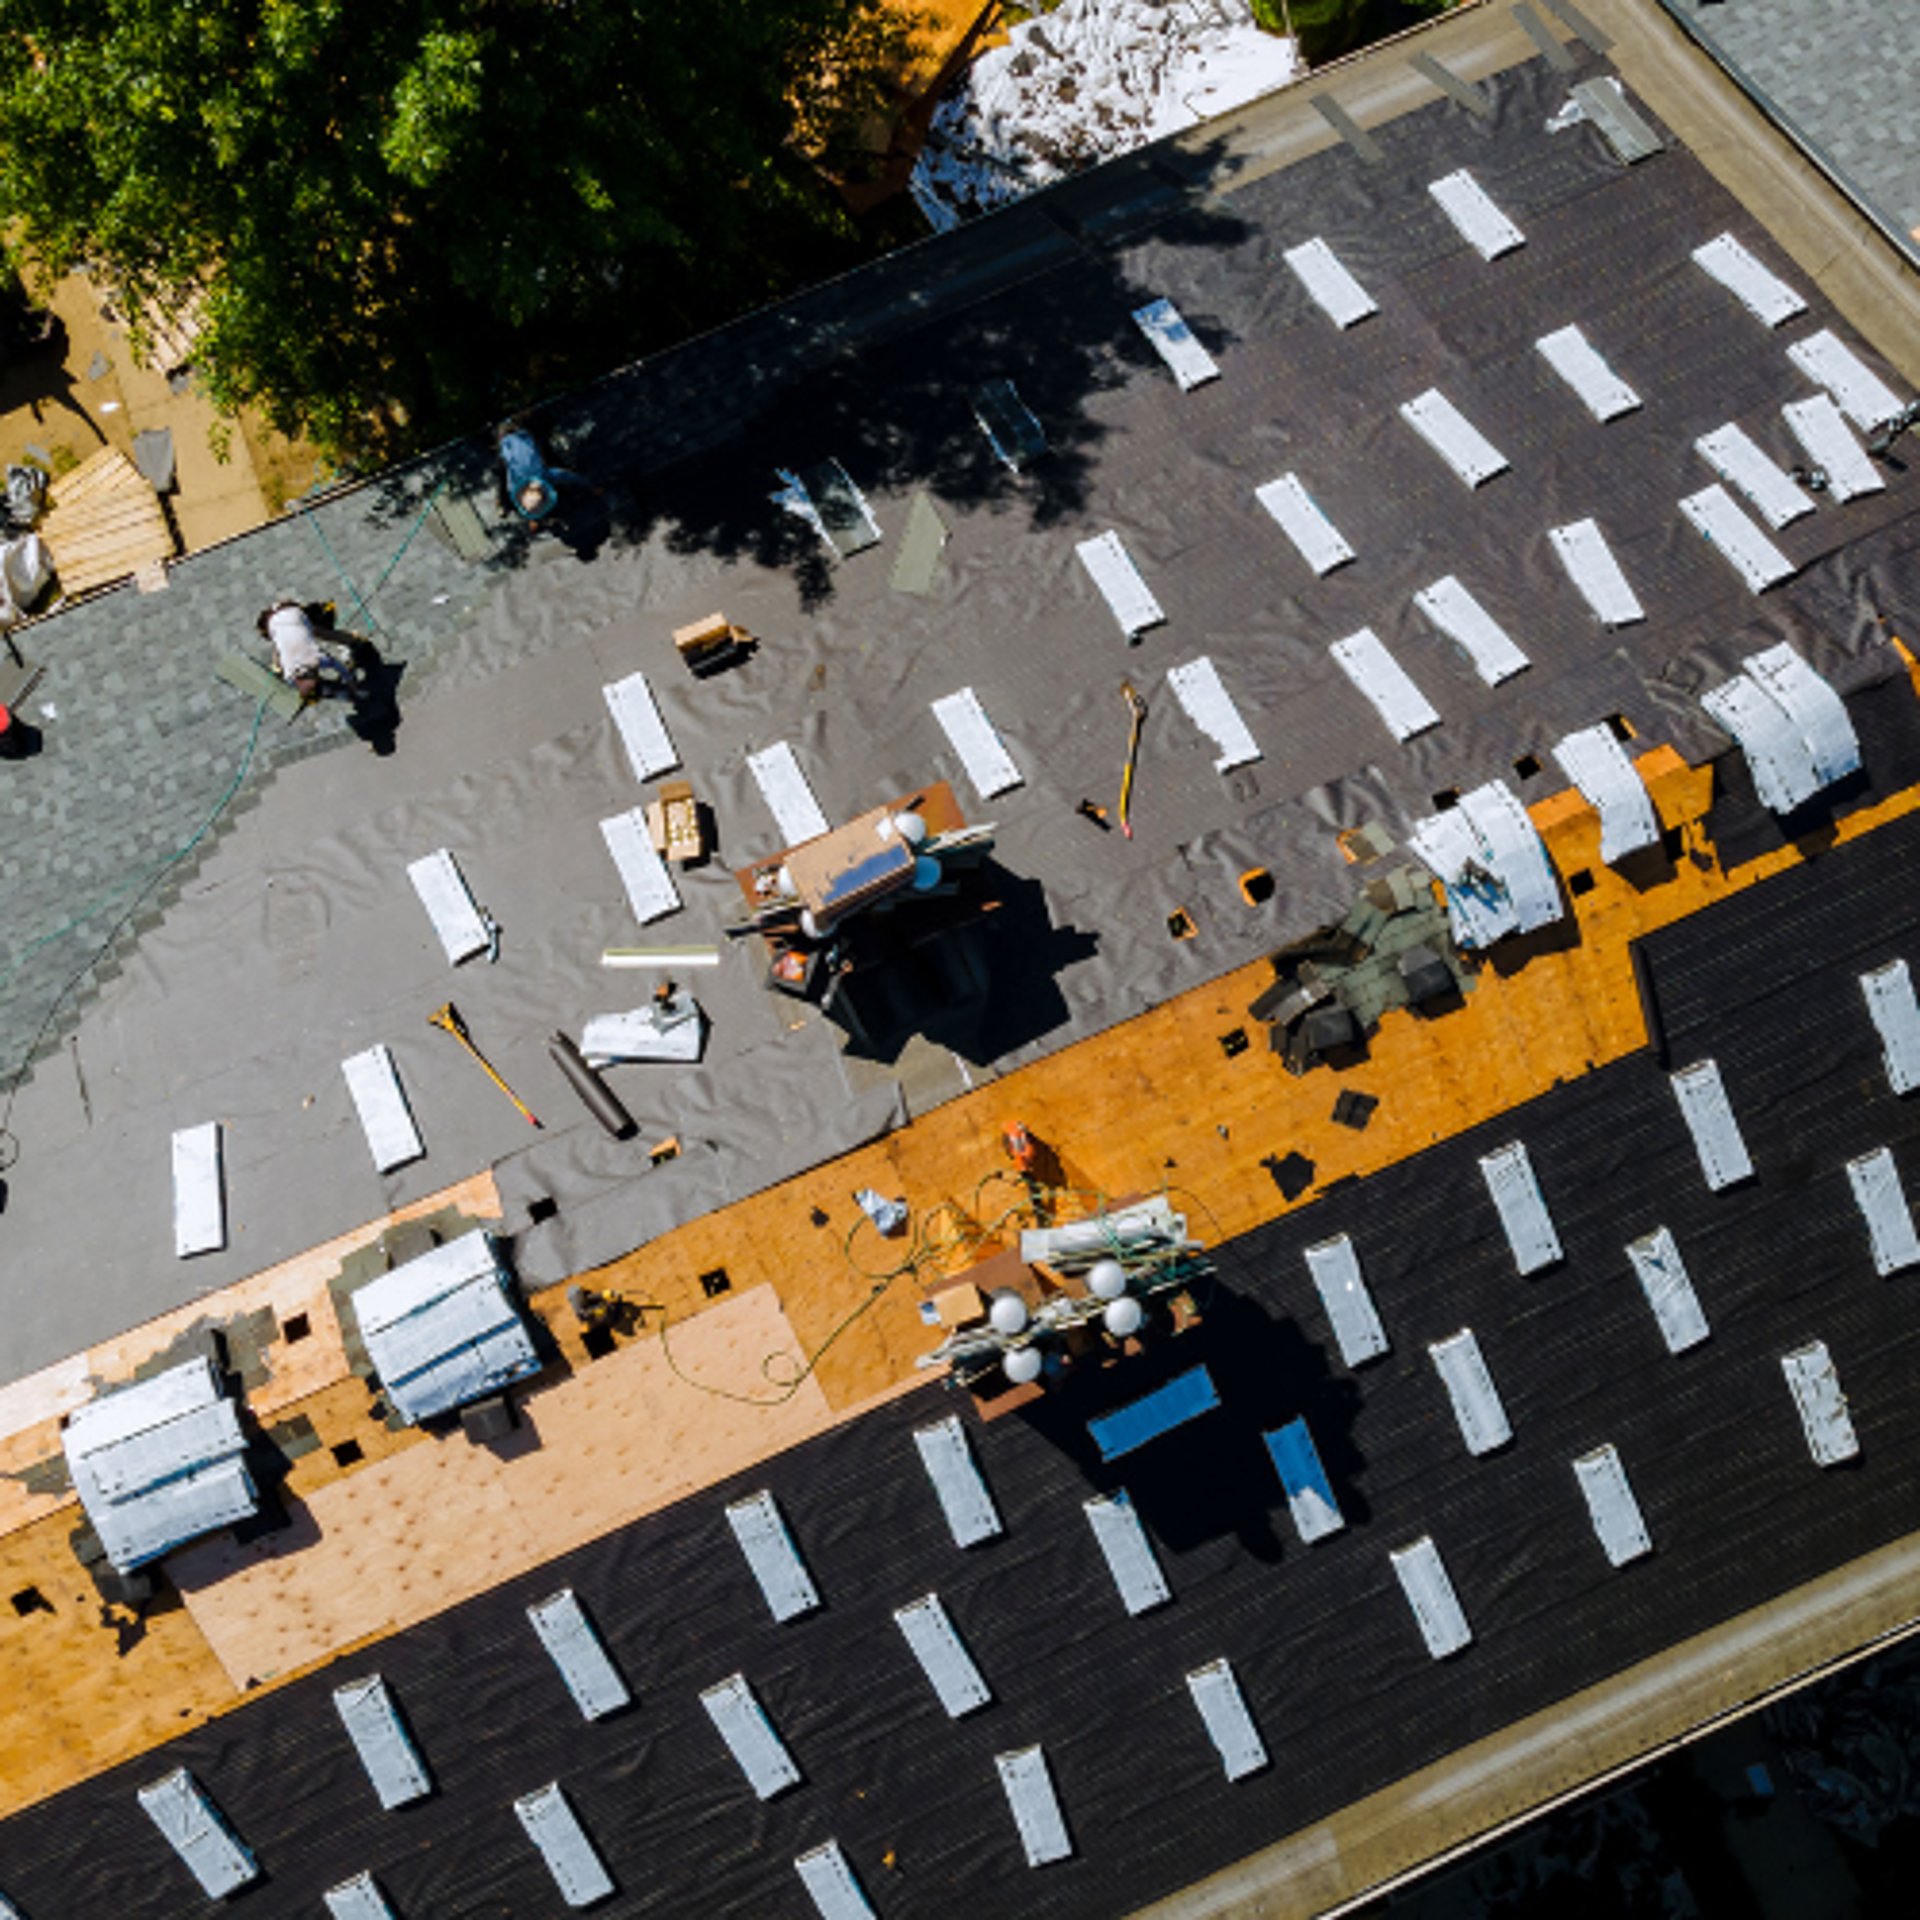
[1091,79]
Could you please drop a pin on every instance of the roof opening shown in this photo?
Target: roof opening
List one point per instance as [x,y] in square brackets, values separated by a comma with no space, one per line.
[1235,1043]
[599,1342]
[714,1284]
[1581,882]
[1180,924]
[1527,766]
[1446,799]
[543,1208]
[1622,727]
[295,1327]
[347,1453]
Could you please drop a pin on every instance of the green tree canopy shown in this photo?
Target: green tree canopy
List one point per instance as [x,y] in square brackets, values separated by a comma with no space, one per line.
[399,214]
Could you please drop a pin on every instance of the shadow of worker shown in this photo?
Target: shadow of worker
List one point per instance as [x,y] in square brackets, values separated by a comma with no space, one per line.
[374,694]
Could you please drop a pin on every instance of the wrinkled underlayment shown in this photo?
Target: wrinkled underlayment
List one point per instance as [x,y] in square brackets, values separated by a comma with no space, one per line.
[389,1540]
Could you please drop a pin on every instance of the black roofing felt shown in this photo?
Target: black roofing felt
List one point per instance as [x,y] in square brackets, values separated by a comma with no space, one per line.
[1323,1644]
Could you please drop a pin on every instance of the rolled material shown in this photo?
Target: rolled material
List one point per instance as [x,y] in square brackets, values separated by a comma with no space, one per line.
[598,1098]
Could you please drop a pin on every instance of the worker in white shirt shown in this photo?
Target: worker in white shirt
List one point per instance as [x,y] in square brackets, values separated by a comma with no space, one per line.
[310,661]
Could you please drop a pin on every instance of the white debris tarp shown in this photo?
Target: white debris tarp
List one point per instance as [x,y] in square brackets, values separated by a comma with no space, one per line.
[977,741]
[1823,433]
[1454,610]
[1475,217]
[1319,541]
[1739,460]
[1208,704]
[1333,289]
[1106,558]
[1859,392]
[1172,339]
[1582,549]
[1364,659]
[1453,437]
[1759,289]
[1716,516]
[1595,761]
[1570,354]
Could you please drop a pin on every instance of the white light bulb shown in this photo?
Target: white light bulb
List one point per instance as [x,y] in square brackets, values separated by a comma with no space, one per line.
[1008,1314]
[1106,1280]
[911,827]
[1123,1317]
[1022,1365]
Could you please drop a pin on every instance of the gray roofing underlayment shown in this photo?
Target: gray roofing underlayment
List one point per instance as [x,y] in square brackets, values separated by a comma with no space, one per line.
[1323,1646]
[295,938]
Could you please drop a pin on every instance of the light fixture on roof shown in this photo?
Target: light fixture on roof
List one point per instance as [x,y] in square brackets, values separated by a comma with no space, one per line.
[1123,1316]
[1022,1365]
[911,827]
[1106,1280]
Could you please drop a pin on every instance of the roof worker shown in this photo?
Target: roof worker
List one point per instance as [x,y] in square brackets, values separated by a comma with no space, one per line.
[313,663]
[544,495]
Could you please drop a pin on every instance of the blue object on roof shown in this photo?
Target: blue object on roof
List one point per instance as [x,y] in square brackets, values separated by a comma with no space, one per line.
[1309,1492]
[1185,1397]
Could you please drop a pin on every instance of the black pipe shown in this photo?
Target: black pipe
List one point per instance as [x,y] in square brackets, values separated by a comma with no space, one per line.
[1649,1002]
[599,1099]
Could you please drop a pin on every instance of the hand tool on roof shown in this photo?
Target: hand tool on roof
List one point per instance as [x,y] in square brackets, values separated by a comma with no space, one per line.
[449,1020]
[1138,708]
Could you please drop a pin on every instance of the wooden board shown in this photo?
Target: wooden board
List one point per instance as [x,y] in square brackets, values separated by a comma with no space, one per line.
[104,522]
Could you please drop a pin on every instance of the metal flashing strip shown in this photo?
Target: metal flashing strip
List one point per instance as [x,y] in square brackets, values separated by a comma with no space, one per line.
[1454,610]
[1882,1200]
[1348,128]
[373,1724]
[1604,102]
[830,1883]
[650,749]
[1709,1115]
[1582,549]
[1896,1018]
[1595,38]
[1012,431]
[943,1656]
[743,1724]
[1389,689]
[1035,1805]
[1423,1579]
[1129,597]
[1717,518]
[1357,1331]
[1476,1400]
[1172,339]
[444,893]
[357,1899]
[1516,854]
[199,1191]
[385,1118]
[1738,459]
[1860,393]
[977,741]
[1663,1279]
[1615,1513]
[192,1826]
[1515,1192]
[1332,288]
[1310,1498]
[1813,706]
[1595,761]
[1318,541]
[1453,437]
[1208,704]
[1123,1544]
[1573,357]
[553,1826]
[1463,92]
[1815,1387]
[1223,1711]
[1760,290]
[784,788]
[577,1650]
[1476,219]
[1822,430]
[1778,756]
[762,1532]
[1480,908]
[1544,37]
[649,886]
[964,1495]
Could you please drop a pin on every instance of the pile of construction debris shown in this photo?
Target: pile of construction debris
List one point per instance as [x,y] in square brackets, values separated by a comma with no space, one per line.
[1084,82]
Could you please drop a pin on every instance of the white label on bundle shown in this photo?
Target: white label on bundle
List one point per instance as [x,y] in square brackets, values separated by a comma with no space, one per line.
[650,752]
[784,788]
[443,891]
[1479,222]
[1036,1808]
[1663,1279]
[1223,1711]
[977,741]
[1172,339]
[1569,353]
[1829,362]
[1371,668]
[385,1117]
[1454,610]
[1317,538]
[1106,558]
[1337,293]
[1423,1579]
[1615,1513]
[1717,516]
[650,889]
[1896,1018]
[1210,707]
[1759,289]
[1822,431]
[199,1191]
[1737,458]
[1453,437]
[1590,565]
